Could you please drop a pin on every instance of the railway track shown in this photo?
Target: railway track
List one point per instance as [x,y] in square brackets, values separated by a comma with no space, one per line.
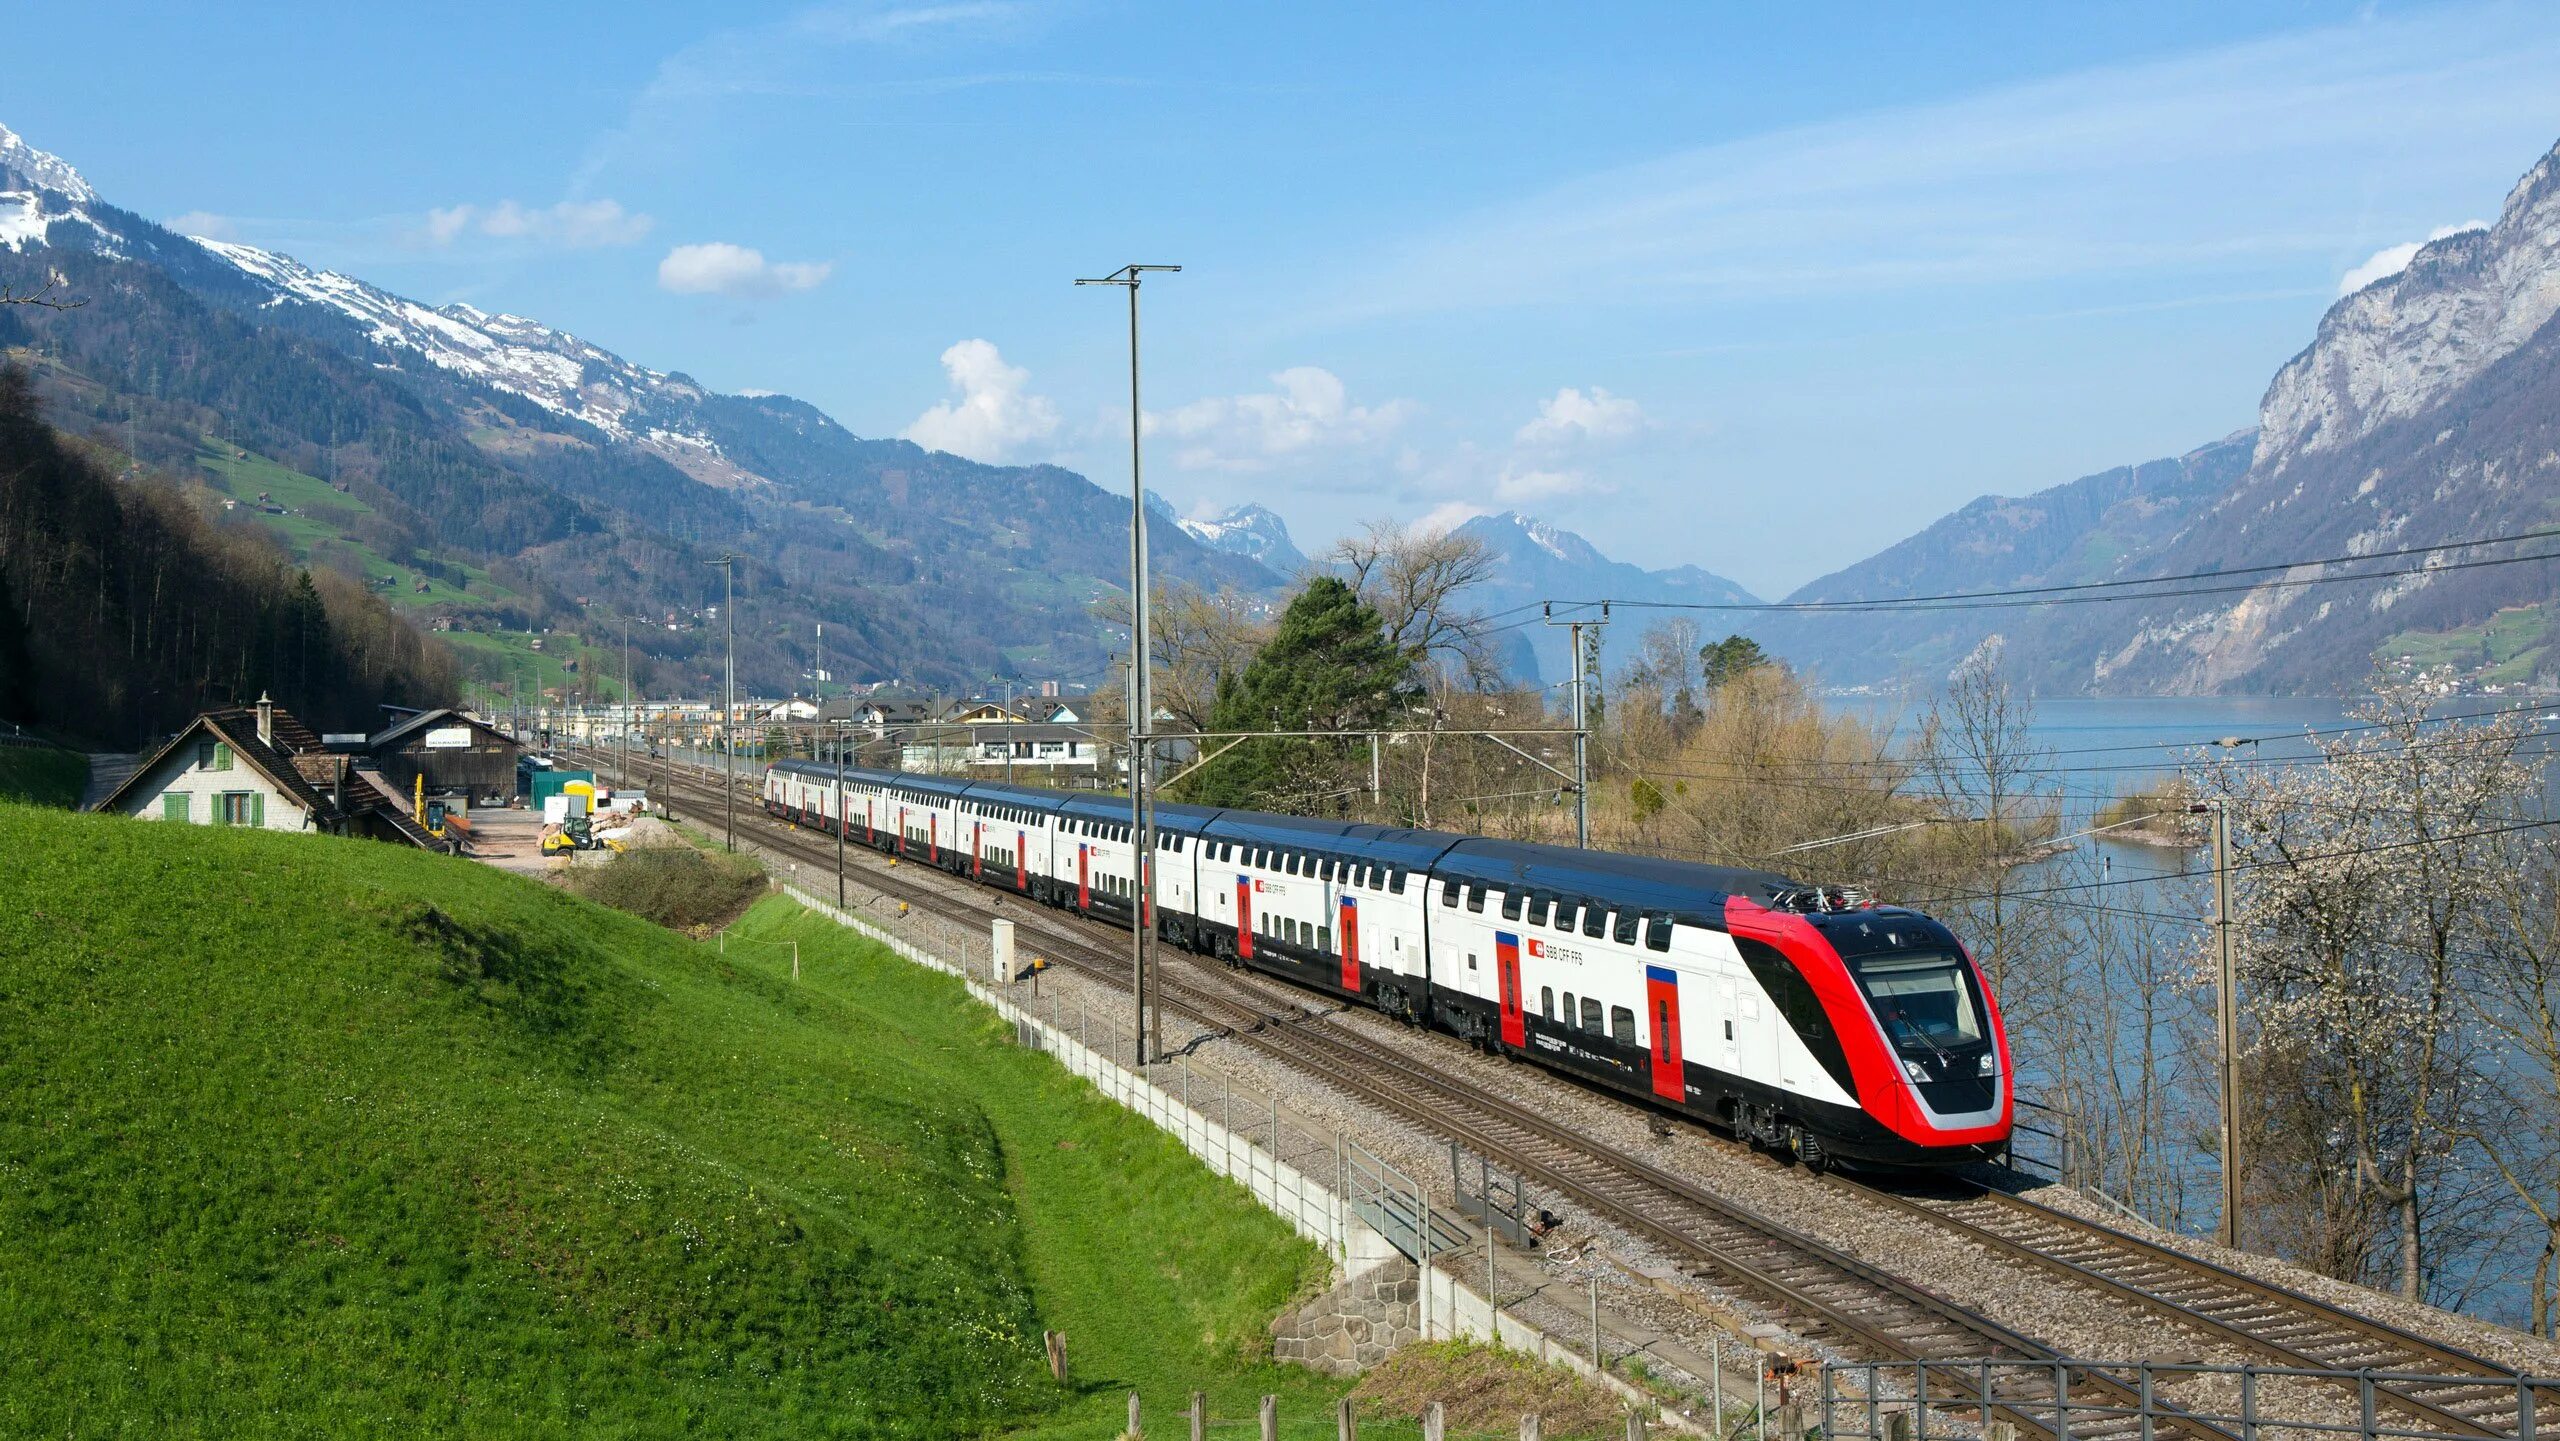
[1821,1291]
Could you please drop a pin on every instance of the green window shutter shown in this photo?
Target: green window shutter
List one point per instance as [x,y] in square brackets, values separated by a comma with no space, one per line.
[173,806]
[257,808]
[221,755]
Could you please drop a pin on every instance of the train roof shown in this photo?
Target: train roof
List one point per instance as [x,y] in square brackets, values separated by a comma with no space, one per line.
[1643,883]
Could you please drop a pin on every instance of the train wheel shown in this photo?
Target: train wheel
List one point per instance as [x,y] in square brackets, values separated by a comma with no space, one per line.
[1810,1151]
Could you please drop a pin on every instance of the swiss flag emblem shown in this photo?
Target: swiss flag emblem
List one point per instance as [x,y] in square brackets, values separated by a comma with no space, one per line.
[1257,885]
[1537,947]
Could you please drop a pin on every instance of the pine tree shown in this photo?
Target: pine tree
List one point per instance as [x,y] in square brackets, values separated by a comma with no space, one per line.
[1329,666]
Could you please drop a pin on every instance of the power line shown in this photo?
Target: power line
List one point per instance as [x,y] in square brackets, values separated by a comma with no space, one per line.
[2084,592]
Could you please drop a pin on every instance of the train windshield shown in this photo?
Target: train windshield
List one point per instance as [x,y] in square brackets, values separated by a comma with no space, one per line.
[1926,1002]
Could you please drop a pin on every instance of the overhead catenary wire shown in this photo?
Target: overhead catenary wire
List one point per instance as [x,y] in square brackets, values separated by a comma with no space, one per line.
[2083,592]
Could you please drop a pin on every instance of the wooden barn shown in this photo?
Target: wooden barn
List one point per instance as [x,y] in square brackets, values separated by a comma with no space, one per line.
[457,755]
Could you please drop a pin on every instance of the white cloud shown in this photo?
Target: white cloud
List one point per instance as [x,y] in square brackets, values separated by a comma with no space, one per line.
[2392,259]
[1447,516]
[719,268]
[1307,408]
[995,415]
[570,225]
[1527,485]
[1571,415]
[204,223]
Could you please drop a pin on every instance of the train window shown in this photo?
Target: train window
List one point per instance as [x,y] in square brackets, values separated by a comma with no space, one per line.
[1624,930]
[1590,1013]
[1595,924]
[1565,911]
[1324,938]
[1568,1008]
[1395,884]
[1657,932]
[1538,903]
[1511,905]
[1448,893]
[1622,1025]
[1547,1002]
[1471,960]
[1475,899]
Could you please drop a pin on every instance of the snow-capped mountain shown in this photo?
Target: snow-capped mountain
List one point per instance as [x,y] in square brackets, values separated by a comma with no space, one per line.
[38,192]
[552,368]
[460,437]
[1537,560]
[1251,531]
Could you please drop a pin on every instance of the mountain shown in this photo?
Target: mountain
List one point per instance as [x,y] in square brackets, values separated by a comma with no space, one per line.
[2088,529]
[1536,561]
[1252,532]
[526,479]
[2425,410]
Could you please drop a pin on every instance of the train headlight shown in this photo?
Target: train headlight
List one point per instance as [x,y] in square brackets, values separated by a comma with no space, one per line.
[1989,1065]
[1915,1071]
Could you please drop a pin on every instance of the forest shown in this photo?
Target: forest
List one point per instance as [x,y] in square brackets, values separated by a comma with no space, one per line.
[125,609]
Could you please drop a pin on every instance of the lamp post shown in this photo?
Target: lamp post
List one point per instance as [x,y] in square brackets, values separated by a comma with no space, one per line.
[728,563]
[1142,828]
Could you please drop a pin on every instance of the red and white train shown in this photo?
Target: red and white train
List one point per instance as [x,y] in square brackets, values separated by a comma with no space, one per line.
[1833,1032]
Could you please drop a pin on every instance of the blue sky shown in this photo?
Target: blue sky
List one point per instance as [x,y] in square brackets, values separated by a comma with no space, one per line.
[1759,288]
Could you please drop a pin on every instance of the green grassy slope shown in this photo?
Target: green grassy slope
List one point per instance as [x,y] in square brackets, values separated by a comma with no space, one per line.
[314,1137]
[1164,1276]
[43,775]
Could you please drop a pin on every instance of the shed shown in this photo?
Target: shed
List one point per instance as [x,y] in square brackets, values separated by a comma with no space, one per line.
[456,754]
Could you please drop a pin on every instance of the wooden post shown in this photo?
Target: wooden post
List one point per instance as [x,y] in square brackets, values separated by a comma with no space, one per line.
[1346,1425]
[1199,1416]
[1434,1425]
[1135,1430]
[1270,1418]
[1529,1427]
[1057,1344]
[1635,1426]
[1897,1425]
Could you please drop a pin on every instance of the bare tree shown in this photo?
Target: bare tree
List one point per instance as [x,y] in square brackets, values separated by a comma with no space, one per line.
[43,295]
[1198,639]
[1416,580]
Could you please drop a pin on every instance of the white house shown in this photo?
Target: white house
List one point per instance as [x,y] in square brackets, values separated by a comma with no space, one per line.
[260,767]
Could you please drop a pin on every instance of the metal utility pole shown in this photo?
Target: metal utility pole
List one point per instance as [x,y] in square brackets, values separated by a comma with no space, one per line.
[1008,720]
[1142,828]
[1581,720]
[627,709]
[2227,1016]
[841,809]
[728,563]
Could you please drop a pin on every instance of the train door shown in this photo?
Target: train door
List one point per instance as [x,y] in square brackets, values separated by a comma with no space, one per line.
[1244,917]
[1084,876]
[1728,1009]
[1022,860]
[902,830]
[1662,998]
[1506,972]
[977,850]
[1350,930]
[933,838]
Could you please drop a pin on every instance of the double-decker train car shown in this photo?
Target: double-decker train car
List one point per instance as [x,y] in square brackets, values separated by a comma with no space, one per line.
[1830,1030]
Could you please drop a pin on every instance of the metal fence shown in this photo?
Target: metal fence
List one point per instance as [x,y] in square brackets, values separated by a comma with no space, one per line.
[1917,1400]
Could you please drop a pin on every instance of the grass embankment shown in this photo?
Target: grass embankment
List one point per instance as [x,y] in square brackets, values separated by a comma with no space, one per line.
[1163,1277]
[312,1137]
[41,775]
